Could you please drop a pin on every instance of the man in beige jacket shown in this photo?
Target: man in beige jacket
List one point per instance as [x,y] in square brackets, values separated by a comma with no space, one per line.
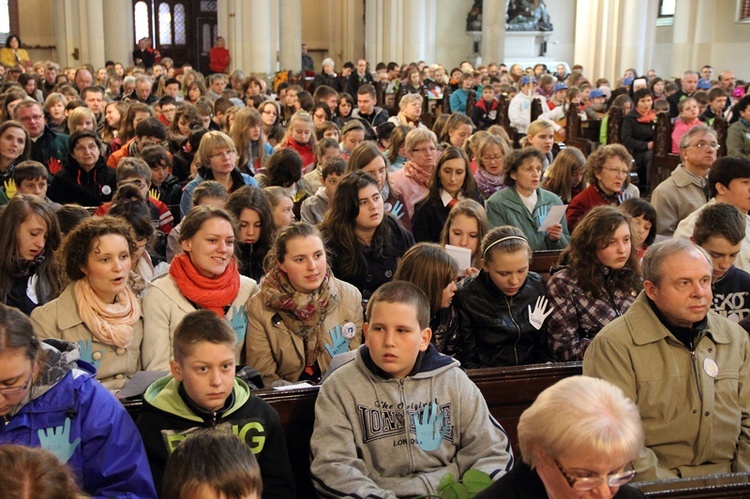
[687,369]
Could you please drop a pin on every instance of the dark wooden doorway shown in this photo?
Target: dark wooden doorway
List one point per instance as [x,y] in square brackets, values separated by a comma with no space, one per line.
[184,30]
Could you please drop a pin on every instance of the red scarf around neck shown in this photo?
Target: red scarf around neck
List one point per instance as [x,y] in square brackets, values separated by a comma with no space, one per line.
[210,294]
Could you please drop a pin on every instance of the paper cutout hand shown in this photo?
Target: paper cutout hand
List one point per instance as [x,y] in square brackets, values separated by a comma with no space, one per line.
[538,315]
[57,441]
[10,188]
[154,193]
[429,427]
[340,344]
[87,353]
[398,210]
[239,322]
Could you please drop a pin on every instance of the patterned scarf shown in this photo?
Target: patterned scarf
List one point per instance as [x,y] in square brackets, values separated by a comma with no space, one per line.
[210,294]
[488,183]
[417,173]
[302,313]
[110,323]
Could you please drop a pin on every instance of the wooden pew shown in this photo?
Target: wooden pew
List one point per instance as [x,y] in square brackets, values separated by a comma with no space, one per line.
[614,126]
[542,261]
[427,118]
[502,119]
[574,134]
[664,161]
[708,487]
[721,127]
[507,390]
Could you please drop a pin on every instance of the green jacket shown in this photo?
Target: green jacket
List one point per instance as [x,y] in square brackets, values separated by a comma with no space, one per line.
[505,207]
[695,406]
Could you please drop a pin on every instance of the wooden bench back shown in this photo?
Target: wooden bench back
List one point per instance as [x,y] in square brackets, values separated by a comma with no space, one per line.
[708,487]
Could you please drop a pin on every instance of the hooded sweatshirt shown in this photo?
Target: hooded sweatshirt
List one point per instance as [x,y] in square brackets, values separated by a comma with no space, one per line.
[72,415]
[169,416]
[377,436]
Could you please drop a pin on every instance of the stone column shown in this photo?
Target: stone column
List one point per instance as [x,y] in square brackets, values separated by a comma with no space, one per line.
[118,25]
[493,31]
[255,36]
[692,35]
[290,29]
[93,25]
[638,34]
[415,31]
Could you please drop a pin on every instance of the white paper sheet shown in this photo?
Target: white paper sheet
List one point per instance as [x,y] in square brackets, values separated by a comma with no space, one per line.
[461,255]
[554,216]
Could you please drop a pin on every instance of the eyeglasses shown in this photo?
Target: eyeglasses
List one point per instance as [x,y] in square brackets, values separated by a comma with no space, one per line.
[706,145]
[222,155]
[490,159]
[142,243]
[617,171]
[15,390]
[431,150]
[591,482]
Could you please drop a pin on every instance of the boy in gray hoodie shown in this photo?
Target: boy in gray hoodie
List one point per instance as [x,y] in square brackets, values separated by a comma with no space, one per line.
[400,416]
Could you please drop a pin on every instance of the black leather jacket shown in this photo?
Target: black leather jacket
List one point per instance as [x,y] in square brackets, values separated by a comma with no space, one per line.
[494,328]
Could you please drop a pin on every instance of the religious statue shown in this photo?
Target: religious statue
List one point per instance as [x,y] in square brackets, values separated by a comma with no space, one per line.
[474,19]
[527,15]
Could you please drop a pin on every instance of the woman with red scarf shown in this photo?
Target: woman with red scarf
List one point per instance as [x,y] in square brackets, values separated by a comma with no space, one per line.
[205,276]
[638,134]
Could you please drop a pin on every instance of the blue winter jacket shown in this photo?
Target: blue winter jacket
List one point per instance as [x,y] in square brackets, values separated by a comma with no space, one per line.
[70,413]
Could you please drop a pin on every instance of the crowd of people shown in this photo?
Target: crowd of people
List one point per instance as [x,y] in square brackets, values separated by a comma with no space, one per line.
[158,219]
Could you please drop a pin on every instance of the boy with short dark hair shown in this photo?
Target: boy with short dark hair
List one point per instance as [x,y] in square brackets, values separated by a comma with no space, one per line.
[31,177]
[314,208]
[717,101]
[203,392]
[400,416]
[137,172]
[485,111]
[720,229]
[162,181]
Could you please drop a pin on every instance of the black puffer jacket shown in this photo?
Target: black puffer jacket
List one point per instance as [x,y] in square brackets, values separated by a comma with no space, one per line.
[494,328]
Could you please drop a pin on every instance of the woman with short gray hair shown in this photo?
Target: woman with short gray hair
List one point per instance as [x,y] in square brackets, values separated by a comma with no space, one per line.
[577,440]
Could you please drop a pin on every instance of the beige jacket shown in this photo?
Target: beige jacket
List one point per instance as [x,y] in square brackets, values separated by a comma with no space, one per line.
[59,319]
[279,354]
[164,306]
[695,406]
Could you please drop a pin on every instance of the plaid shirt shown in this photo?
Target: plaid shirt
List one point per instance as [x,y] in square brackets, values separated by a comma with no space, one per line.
[577,316]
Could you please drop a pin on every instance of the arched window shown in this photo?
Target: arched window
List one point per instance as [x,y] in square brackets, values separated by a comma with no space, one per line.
[8,19]
[165,24]
[140,18]
[179,24]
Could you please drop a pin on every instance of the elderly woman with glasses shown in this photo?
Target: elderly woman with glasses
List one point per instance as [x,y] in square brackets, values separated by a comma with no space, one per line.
[577,440]
[607,172]
[217,157]
[411,182]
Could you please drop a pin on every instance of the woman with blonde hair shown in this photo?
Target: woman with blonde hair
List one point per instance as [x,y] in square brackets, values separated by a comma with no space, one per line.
[54,112]
[248,137]
[564,177]
[578,439]
[466,227]
[300,136]
[217,157]
[490,158]
[541,135]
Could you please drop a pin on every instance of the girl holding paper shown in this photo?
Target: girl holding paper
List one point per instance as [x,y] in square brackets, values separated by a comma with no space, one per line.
[526,205]
[502,309]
